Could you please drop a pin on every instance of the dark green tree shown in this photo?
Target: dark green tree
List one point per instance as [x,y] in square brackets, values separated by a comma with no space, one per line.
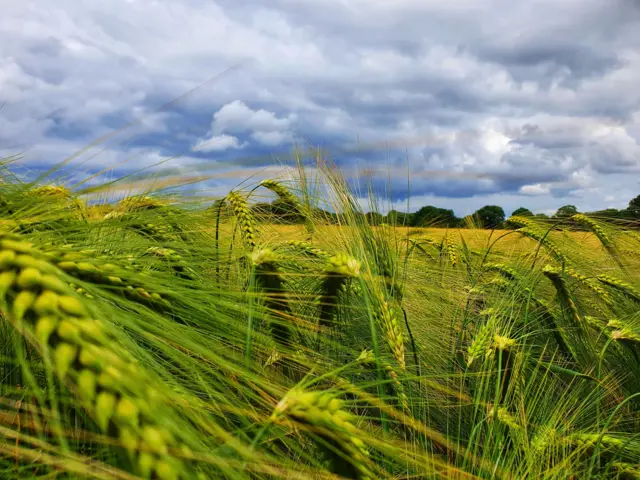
[566,211]
[522,212]
[374,218]
[431,216]
[394,217]
[634,207]
[490,216]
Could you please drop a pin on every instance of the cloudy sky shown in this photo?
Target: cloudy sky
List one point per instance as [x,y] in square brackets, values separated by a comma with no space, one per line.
[533,103]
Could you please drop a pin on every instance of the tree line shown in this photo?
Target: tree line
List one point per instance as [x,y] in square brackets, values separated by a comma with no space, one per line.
[489,216]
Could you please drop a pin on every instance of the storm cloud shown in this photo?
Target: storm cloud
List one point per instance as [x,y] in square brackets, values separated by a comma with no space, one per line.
[534,103]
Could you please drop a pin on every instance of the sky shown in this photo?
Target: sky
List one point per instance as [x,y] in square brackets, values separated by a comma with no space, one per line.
[533,103]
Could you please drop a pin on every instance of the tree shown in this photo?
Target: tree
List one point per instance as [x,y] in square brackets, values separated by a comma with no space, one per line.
[394,217]
[374,218]
[490,216]
[522,212]
[434,217]
[566,211]
[634,207]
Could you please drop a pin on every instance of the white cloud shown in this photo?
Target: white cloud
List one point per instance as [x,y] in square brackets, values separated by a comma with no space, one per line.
[263,126]
[536,189]
[217,143]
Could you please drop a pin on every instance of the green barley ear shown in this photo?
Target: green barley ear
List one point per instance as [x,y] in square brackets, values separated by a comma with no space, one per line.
[481,343]
[175,262]
[565,300]
[590,284]
[338,270]
[503,416]
[597,229]
[368,359]
[620,286]
[504,270]
[245,217]
[322,414]
[290,199]
[107,382]
[542,239]
[626,470]
[388,318]
[520,222]
[269,280]
[450,248]
[110,276]
[308,249]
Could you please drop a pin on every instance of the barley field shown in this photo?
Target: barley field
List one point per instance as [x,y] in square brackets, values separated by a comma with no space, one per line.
[169,337]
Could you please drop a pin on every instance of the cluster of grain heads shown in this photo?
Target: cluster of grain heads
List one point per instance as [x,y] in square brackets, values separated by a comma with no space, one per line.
[108,384]
[149,217]
[245,218]
[61,194]
[338,270]
[268,279]
[322,414]
[626,336]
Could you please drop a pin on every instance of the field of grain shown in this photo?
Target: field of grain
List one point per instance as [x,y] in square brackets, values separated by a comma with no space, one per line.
[156,339]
